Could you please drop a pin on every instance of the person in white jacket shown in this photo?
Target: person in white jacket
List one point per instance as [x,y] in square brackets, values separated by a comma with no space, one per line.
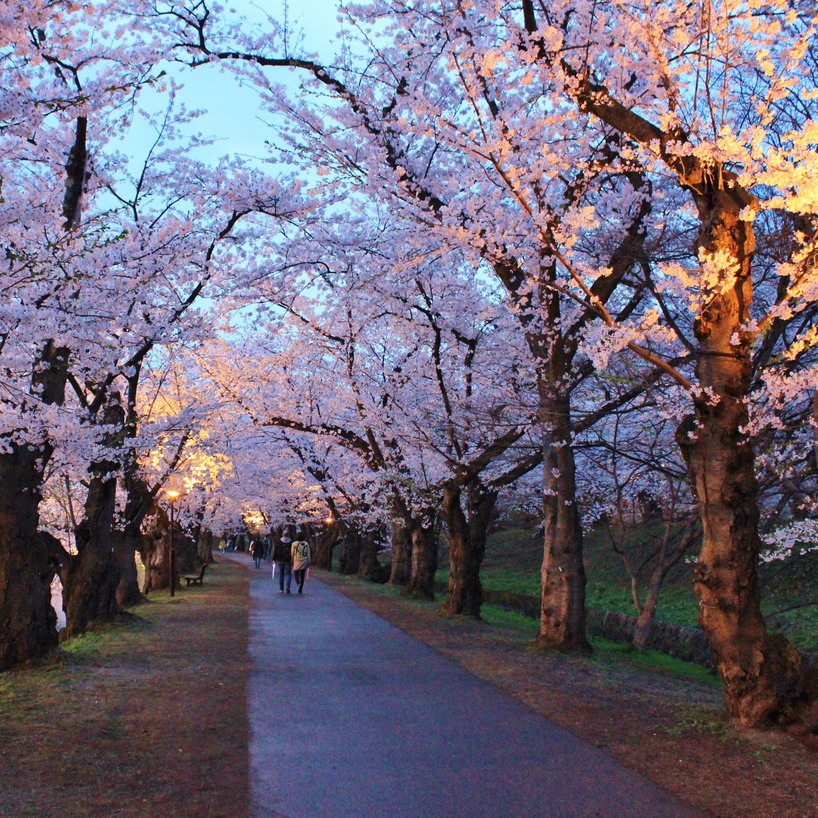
[301,561]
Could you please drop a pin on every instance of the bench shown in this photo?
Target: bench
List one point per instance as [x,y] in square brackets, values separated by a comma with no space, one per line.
[195,579]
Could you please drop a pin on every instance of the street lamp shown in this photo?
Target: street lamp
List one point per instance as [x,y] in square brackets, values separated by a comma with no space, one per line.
[172,496]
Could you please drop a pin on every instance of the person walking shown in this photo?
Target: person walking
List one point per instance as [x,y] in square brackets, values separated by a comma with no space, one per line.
[255,550]
[282,557]
[301,561]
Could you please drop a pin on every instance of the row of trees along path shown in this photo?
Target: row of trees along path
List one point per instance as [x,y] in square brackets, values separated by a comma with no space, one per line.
[496,231]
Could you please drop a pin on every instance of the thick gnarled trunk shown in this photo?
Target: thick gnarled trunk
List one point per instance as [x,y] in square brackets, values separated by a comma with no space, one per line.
[154,551]
[467,546]
[92,577]
[762,674]
[28,623]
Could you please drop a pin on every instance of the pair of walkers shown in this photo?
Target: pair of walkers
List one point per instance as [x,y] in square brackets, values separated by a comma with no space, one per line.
[291,562]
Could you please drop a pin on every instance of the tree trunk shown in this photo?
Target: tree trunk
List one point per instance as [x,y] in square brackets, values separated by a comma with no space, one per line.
[327,540]
[126,543]
[129,539]
[185,551]
[424,561]
[28,623]
[762,674]
[401,568]
[467,546]
[204,545]
[370,567]
[668,557]
[562,616]
[647,615]
[154,550]
[92,577]
[349,560]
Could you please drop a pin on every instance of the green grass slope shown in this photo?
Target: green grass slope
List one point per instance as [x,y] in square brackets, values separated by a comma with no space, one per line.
[789,590]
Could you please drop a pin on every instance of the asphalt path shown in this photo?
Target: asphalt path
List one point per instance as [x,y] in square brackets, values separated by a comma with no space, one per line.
[349,716]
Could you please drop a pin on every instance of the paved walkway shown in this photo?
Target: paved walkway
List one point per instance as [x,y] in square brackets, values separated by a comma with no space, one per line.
[349,717]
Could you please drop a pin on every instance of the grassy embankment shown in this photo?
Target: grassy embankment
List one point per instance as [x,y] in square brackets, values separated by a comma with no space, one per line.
[514,556]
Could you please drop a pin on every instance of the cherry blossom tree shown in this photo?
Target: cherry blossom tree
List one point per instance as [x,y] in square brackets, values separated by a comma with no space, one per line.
[475,167]
[59,67]
[715,95]
[580,116]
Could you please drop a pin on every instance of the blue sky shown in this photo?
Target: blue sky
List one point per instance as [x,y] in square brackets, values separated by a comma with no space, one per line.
[231,112]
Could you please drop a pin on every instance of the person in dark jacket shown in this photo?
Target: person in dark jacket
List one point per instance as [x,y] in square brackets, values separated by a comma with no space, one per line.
[284,562]
[256,549]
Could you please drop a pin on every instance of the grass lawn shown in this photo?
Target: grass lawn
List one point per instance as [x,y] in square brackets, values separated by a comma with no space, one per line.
[789,590]
[141,718]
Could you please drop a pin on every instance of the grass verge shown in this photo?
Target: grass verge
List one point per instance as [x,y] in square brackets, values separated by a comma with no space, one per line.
[139,718]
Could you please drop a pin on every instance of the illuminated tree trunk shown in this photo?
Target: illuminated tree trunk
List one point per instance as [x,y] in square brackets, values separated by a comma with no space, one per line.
[154,551]
[562,615]
[761,673]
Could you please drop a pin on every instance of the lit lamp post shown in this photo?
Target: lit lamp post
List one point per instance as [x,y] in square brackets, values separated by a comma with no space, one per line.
[172,496]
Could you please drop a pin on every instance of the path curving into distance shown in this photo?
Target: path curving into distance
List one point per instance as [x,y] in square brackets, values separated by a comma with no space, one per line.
[352,718]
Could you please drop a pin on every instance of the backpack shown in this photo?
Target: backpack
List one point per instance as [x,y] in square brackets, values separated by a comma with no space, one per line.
[281,552]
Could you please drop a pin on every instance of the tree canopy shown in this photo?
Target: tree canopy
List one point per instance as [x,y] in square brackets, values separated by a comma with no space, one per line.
[492,255]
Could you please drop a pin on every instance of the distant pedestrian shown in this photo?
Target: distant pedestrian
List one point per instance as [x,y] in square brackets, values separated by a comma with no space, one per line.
[283,563]
[257,550]
[301,561]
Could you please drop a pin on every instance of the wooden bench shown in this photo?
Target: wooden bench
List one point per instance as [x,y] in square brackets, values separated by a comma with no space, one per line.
[195,579]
